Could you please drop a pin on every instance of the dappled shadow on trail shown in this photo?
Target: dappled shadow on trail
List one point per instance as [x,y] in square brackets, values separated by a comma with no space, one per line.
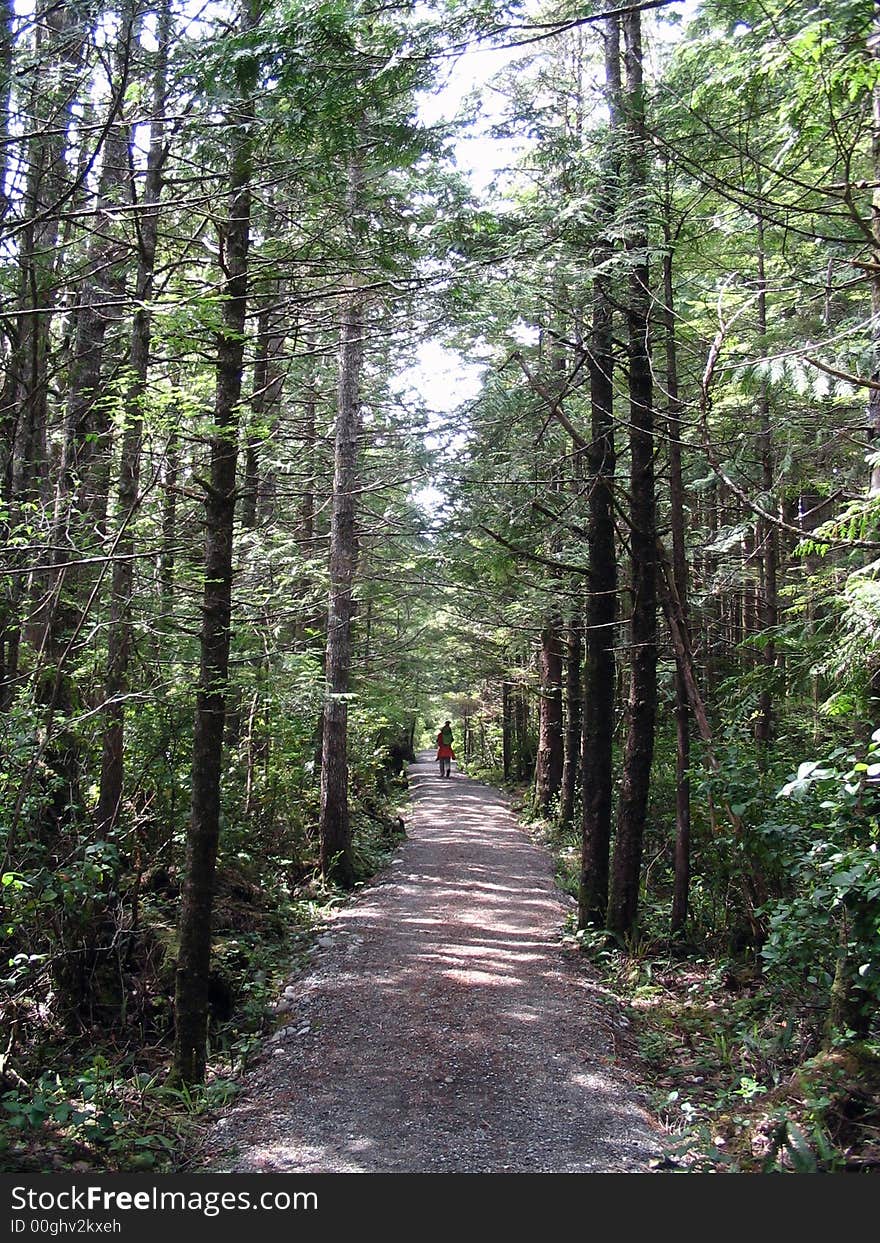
[444,1027]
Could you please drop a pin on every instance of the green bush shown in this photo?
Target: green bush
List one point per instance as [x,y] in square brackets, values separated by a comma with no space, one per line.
[824,935]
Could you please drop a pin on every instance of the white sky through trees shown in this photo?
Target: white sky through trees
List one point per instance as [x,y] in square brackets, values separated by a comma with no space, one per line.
[442,377]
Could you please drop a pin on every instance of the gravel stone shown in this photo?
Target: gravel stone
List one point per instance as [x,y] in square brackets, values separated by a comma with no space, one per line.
[454,1031]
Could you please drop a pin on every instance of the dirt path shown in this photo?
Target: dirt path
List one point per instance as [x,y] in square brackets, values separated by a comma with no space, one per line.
[443,1027]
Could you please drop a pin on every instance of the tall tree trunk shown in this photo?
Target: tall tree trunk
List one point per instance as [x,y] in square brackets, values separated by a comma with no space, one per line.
[767,536]
[52,90]
[191,984]
[119,634]
[312,621]
[7,53]
[306,529]
[682,867]
[548,770]
[251,482]
[597,770]
[264,401]
[507,738]
[874,276]
[84,472]
[571,762]
[642,707]
[521,724]
[336,857]
[9,631]
[57,53]
[873,411]
[168,556]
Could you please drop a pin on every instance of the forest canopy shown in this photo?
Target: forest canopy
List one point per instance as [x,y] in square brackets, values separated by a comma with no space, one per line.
[336,399]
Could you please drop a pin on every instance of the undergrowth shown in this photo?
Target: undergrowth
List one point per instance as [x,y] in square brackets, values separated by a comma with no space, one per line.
[740,1084]
[742,1076]
[96,1096]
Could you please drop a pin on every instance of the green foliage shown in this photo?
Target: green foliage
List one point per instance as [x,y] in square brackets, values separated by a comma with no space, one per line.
[825,934]
[121,1121]
[760,195]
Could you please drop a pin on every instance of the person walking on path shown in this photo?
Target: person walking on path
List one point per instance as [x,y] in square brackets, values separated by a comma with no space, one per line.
[445,753]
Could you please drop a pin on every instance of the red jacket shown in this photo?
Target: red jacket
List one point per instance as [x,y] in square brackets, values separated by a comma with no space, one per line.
[444,750]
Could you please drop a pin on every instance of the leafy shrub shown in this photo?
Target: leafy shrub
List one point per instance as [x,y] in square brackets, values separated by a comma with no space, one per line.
[824,935]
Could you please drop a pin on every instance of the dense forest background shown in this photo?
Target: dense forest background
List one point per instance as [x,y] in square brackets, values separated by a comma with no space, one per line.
[310,437]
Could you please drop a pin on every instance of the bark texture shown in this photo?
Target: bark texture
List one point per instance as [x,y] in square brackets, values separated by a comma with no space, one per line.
[336,858]
[507,739]
[548,771]
[600,665]
[119,635]
[642,706]
[682,864]
[572,760]
[766,533]
[193,964]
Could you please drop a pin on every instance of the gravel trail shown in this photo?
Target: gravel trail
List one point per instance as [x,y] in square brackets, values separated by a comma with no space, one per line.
[443,1026]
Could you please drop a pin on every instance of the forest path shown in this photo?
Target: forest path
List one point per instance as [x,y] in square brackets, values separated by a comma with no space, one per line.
[443,1026]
